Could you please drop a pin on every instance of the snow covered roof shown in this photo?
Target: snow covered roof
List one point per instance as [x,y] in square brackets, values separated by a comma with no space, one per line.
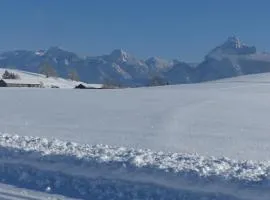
[22,81]
[86,85]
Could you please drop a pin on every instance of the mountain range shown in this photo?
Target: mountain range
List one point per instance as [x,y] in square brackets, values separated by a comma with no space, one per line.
[232,58]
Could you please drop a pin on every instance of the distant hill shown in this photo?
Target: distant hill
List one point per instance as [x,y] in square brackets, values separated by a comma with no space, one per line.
[50,82]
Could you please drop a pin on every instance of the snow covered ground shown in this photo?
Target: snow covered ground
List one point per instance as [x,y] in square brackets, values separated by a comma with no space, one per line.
[47,82]
[223,118]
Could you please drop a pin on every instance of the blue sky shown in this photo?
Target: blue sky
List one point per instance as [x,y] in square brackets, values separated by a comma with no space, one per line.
[183,29]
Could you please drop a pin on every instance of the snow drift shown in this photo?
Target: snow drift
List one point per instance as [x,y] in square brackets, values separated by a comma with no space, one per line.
[107,172]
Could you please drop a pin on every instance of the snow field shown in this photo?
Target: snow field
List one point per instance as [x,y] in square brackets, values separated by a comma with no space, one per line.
[220,130]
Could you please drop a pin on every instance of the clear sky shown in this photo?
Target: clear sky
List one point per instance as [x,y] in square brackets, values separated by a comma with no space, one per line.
[182,29]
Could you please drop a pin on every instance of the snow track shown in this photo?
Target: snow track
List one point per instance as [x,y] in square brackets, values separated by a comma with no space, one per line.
[106,172]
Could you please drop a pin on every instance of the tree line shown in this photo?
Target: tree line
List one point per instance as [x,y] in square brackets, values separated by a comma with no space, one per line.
[49,71]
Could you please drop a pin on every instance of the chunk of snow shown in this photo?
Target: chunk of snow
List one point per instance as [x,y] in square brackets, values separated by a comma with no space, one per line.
[48,189]
[57,161]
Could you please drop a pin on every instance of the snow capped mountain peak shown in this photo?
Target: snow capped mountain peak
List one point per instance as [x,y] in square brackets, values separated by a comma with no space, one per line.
[59,51]
[40,52]
[55,48]
[119,55]
[156,62]
[233,42]
[232,46]
[61,55]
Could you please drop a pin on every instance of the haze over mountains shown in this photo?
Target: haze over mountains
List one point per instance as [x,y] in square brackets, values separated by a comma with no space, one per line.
[232,58]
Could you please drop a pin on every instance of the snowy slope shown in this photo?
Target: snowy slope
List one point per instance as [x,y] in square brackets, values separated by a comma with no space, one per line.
[221,118]
[47,82]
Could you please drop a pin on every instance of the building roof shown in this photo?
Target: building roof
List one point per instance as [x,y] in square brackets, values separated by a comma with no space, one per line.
[89,86]
[20,81]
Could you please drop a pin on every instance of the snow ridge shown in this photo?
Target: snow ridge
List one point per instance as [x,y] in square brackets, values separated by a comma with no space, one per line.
[128,169]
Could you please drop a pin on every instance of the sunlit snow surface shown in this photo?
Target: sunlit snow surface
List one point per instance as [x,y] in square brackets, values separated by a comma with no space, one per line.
[202,122]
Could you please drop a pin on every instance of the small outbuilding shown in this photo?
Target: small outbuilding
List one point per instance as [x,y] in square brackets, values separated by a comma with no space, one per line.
[88,86]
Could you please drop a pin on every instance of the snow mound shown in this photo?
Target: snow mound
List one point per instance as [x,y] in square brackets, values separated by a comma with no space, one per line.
[49,82]
[102,171]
